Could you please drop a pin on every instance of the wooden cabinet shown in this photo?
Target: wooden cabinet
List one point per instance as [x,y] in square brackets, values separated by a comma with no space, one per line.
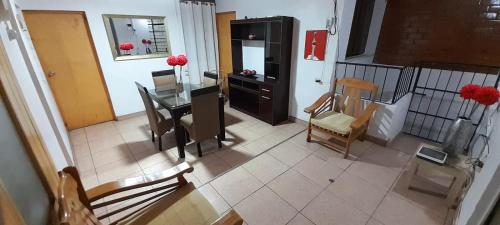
[264,96]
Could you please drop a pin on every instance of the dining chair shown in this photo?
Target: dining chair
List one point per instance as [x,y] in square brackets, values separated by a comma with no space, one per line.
[157,122]
[210,78]
[203,122]
[164,80]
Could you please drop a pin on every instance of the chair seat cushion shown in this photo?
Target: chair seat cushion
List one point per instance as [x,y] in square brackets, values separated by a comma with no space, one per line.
[192,208]
[334,121]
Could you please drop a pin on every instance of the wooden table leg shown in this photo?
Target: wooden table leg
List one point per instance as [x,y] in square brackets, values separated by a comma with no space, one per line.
[180,137]
[455,189]
[411,173]
[222,123]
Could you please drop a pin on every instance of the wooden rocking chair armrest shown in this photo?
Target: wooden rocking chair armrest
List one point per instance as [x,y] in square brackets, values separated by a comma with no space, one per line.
[318,103]
[231,218]
[114,187]
[365,116]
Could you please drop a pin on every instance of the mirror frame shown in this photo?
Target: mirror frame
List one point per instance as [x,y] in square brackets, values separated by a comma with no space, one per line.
[112,43]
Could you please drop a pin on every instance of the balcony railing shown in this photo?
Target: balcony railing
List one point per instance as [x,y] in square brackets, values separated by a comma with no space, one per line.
[394,82]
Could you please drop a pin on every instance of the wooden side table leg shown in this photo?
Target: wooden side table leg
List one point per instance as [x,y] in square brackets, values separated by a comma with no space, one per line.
[411,173]
[455,190]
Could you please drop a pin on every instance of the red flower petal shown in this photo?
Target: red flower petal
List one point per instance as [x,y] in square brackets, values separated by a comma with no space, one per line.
[182,60]
[487,96]
[469,91]
[172,61]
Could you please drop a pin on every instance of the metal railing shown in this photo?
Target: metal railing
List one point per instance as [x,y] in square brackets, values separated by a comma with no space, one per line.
[394,82]
[436,100]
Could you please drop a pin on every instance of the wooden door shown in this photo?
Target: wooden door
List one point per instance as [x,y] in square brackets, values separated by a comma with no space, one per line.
[224,35]
[66,51]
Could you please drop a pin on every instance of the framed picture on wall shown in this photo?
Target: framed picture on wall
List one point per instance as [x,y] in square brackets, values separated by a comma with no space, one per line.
[315,45]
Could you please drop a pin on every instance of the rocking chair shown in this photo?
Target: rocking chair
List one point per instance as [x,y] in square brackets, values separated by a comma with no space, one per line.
[339,117]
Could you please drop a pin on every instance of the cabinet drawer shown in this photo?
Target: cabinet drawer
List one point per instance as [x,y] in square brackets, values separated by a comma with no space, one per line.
[266,91]
[266,109]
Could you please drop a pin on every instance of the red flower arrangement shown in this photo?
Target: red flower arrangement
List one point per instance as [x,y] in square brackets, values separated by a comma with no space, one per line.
[180,60]
[480,95]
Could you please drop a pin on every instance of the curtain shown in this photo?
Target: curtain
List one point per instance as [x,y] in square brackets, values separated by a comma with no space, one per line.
[200,38]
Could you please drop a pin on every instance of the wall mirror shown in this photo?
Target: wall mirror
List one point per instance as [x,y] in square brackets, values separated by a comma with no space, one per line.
[137,37]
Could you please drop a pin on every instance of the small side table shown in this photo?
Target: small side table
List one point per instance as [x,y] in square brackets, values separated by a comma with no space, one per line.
[454,167]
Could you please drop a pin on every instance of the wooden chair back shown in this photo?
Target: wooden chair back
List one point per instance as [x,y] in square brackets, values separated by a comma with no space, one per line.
[350,101]
[205,109]
[68,206]
[150,107]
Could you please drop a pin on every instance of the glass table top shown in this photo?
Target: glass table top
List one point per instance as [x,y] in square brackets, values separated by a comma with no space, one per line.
[173,97]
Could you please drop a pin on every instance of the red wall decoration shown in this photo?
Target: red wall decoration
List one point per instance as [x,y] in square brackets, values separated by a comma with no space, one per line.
[315,45]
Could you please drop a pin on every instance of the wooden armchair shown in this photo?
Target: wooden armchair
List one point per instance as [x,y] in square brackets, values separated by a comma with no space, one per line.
[163,198]
[340,118]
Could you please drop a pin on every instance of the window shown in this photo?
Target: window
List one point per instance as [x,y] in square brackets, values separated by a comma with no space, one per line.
[360,27]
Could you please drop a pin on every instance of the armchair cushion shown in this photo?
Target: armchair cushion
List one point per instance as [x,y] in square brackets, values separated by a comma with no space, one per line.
[337,122]
[187,206]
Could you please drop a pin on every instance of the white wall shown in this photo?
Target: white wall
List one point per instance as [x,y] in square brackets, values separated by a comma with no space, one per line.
[121,75]
[309,16]
[485,188]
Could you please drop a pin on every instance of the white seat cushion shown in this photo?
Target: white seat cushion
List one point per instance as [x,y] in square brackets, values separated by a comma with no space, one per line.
[336,122]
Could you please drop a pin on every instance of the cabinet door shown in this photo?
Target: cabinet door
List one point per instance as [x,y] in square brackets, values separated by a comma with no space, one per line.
[266,108]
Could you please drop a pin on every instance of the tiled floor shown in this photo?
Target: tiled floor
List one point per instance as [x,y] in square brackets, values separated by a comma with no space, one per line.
[269,175]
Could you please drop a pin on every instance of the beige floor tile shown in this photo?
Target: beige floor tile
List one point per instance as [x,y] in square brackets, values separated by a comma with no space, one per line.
[158,167]
[85,163]
[265,208]
[386,157]
[317,170]
[294,188]
[90,181]
[373,221]
[117,153]
[236,185]
[301,139]
[333,157]
[206,169]
[380,176]
[327,209]
[300,219]
[234,156]
[219,204]
[396,211]
[78,136]
[289,153]
[357,192]
[104,143]
[81,150]
[101,131]
[265,167]
[406,143]
[146,159]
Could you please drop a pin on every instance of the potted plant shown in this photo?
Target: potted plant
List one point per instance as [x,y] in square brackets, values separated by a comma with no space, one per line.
[180,60]
[461,131]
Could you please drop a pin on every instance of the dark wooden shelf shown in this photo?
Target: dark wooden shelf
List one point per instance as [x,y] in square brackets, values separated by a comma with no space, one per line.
[265,96]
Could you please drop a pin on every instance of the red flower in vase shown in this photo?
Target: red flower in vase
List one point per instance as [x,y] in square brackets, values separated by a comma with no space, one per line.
[144,41]
[487,96]
[469,91]
[182,60]
[149,42]
[172,61]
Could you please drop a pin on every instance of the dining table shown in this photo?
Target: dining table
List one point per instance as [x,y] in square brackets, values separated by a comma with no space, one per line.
[178,102]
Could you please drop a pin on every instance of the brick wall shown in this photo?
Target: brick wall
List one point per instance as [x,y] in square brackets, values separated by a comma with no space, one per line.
[438,30]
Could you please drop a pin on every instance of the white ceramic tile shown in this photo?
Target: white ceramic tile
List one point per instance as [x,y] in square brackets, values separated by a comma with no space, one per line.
[265,167]
[299,219]
[327,209]
[265,208]
[294,188]
[289,153]
[236,185]
[317,170]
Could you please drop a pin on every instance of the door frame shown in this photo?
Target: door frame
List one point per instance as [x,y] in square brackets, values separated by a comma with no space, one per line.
[24,123]
[92,43]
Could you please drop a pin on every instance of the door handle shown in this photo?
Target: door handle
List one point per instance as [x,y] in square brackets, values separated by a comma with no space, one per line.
[264,97]
[51,73]
[266,90]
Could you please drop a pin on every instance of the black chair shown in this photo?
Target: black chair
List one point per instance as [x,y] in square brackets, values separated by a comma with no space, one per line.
[164,79]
